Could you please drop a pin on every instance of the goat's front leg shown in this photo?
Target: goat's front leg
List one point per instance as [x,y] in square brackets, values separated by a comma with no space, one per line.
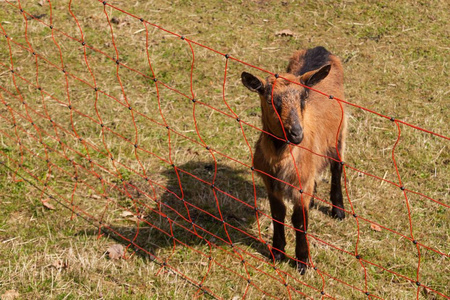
[300,222]
[278,210]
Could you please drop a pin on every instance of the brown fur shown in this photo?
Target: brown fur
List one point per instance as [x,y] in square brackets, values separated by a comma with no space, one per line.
[319,118]
[320,122]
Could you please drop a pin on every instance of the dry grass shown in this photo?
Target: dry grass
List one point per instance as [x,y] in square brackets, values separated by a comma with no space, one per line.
[396,57]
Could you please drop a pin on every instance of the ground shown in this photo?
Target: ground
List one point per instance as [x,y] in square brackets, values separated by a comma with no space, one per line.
[395,56]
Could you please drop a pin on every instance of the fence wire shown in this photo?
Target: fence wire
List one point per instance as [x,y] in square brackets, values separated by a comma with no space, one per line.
[67,147]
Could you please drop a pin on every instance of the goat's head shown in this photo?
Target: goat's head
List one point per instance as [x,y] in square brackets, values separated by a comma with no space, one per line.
[283,102]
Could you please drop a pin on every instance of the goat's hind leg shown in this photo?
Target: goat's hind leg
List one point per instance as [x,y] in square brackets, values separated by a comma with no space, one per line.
[336,190]
[311,202]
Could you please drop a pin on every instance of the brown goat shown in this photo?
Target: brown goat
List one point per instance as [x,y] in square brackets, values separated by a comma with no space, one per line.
[297,115]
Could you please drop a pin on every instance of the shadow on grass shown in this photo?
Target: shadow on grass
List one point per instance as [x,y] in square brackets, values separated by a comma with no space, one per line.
[193,213]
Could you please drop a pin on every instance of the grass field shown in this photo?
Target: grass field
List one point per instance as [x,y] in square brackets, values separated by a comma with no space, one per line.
[396,59]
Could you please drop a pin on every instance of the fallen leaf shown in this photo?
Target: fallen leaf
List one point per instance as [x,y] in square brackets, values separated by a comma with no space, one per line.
[47,204]
[375,227]
[284,32]
[59,264]
[10,295]
[115,251]
[126,214]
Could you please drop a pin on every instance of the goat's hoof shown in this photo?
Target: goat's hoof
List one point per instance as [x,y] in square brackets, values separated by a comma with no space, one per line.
[337,213]
[301,268]
[279,256]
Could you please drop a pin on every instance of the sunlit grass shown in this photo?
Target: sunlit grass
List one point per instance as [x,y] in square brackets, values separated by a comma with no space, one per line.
[395,58]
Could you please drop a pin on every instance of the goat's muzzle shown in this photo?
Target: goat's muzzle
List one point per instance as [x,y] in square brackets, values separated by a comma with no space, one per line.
[295,134]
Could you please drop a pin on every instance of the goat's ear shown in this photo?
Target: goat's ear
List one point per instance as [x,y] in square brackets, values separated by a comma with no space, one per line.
[313,77]
[253,83]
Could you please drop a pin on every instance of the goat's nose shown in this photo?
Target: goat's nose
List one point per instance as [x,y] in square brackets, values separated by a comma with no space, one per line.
[296,130]
[295,134]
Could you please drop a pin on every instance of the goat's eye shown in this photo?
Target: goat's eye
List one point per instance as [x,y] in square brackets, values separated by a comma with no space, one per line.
[304,94]
[276,100]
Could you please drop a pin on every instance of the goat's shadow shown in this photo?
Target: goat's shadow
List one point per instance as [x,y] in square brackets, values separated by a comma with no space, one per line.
[190,211]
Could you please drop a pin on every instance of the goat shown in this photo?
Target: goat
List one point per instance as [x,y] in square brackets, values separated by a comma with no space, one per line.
[293,114]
